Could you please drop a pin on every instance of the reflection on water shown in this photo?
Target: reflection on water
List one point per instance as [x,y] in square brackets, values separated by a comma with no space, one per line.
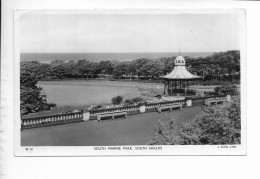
[65,93]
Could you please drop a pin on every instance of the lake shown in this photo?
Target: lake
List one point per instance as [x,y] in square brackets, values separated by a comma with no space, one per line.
[82,92]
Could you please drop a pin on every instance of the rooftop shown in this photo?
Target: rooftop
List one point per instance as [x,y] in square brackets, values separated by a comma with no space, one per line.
[180,71]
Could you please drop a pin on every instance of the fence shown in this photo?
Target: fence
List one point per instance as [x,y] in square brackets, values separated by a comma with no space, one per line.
[129,109]
[58,119]
[50,120]
[196,101]
[153,106]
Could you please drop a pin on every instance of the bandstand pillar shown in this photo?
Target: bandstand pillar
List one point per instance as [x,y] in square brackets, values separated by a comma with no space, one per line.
[166,88]
[171,88]
[168,82]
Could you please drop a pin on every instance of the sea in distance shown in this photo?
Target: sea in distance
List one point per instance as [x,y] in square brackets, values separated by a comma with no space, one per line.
[105,56]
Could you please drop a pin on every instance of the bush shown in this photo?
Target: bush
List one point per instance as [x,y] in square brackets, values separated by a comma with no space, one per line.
[165,134]
[218,125]
[158,96]
[117,100]
[227,90]
[129,102]
[214,82]
[133,101]
[137,99]
[211,94]
[221,125]
[190,92]
[143,103]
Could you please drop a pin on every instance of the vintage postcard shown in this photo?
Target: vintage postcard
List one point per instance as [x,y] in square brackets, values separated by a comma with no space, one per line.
[130,82]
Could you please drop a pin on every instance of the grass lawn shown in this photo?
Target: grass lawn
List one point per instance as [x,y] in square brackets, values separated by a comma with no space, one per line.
[134,130]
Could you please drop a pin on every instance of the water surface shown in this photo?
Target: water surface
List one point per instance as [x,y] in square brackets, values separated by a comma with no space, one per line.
[81,92]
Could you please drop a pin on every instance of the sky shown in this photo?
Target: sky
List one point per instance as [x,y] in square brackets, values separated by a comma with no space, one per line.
[93,33]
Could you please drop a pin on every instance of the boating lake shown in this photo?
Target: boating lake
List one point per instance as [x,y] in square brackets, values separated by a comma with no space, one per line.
[82,92]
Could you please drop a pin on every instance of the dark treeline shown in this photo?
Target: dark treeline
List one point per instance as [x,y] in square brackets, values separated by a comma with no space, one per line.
[31,97]
[223,66]
[220,66]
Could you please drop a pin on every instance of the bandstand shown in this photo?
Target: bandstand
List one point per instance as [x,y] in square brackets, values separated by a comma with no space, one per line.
[177,80]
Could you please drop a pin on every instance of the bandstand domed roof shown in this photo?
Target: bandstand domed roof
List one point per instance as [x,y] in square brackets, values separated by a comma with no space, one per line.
[180,72]
[179,61]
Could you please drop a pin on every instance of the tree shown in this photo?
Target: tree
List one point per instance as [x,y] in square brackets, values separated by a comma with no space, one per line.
[153,69]
[135,67]
[81,67]
[31,98]
[93,69]
[168,64]
[220,125]
[70,69]
[32,101]
[220,66]
[106,67]
[28,74]
[120,69]
[57,71]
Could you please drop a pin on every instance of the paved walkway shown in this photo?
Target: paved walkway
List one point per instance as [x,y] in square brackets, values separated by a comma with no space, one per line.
[134,130]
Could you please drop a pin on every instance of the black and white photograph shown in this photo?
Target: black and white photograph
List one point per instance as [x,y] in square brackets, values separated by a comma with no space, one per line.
[130,82]
[147,89]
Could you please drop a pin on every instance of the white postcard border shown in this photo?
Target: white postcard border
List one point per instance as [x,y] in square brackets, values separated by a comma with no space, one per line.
[136,150]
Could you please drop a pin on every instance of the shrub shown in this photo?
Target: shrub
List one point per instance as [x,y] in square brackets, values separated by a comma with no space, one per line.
[137,99]
[129,102]
[218,125]
[211,94]
[190,92]
[217,90]
[158,96]
[214,82]
[143,103]
[227,90]
[221,125]
[165,134]
[200,93]
[117,100]
[133,101]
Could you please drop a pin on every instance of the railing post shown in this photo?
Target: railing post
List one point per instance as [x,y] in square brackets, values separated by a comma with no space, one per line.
[228,98]
[142,109]
[189,103]
[86,116]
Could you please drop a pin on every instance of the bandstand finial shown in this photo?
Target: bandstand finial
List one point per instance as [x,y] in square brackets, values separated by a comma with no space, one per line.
[179,52]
